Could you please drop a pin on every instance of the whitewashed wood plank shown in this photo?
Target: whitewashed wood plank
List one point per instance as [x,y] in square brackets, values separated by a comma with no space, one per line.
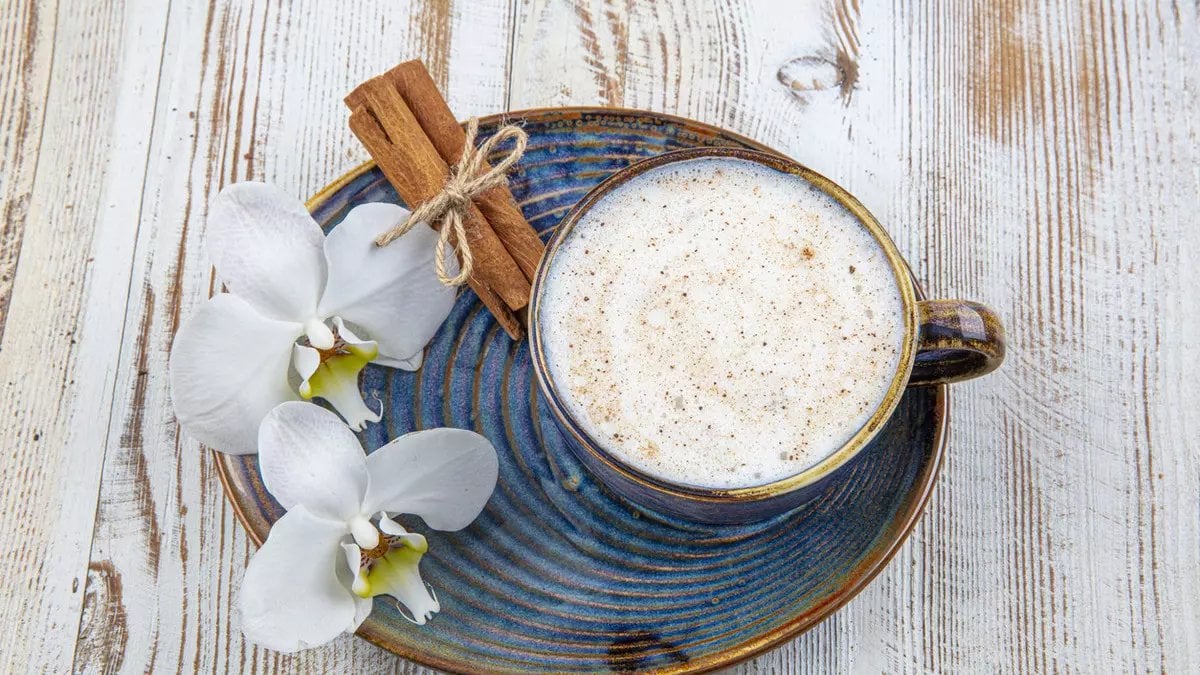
[249,90]
[26,48]
[1038,158]
[1034,157]
[1055,196]
[65,317]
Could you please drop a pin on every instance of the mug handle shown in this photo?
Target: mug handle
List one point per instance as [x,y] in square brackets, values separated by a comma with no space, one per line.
[959,340]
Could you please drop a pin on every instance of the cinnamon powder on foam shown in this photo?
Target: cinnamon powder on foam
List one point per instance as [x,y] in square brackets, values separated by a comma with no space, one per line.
[717,323]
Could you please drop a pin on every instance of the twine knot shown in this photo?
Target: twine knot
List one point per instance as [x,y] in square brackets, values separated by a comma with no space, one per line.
[453,203]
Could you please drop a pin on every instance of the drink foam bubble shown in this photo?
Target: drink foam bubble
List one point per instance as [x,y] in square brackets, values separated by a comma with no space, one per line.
[717,323]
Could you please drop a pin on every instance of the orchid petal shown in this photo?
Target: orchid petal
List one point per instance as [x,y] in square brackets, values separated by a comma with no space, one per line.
[411,363]
[397,574]
[389,526]
[445,476]
[308,457]
[362,609]
[391,292]
[305,360]
[349,336]
[396,532]
[353,557]
[353,577]
[333,376]
[291,597]
[229,368]
[408,539]
[268,250]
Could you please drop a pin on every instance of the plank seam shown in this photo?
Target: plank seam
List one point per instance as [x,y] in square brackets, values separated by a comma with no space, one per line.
[512,48]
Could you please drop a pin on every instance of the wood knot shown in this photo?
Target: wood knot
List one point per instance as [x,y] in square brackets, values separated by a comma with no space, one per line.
[810,73]
[103,627]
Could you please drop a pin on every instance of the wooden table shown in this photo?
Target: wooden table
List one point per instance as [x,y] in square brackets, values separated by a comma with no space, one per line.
[1043,160]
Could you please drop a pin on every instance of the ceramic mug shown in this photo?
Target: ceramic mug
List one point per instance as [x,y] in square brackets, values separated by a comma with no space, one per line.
[945,341]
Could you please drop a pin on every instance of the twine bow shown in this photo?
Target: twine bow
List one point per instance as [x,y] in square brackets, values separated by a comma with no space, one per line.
[454,201]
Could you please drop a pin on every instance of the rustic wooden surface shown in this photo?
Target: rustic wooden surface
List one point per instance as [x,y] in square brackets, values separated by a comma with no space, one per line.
[1040,157]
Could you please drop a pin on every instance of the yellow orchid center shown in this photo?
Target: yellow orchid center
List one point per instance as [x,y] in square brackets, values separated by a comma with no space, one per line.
[341,362]
[390,565]
[331,373]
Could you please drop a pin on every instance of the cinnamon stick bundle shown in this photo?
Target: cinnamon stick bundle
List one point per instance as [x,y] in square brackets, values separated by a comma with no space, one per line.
[386,115]
[418,89]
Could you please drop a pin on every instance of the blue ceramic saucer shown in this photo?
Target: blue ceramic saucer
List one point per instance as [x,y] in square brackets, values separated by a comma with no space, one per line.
[557,574]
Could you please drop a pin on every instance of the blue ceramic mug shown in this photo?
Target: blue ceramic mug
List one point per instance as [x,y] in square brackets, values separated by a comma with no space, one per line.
[945,341]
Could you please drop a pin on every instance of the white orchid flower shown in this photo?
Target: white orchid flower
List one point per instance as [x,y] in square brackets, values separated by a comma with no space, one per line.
[337,546]
[283,331]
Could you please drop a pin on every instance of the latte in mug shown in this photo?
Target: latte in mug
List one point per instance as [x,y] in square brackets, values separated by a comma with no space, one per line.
[720,324]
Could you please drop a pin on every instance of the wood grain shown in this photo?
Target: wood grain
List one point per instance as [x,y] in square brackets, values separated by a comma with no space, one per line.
[1026,155]
[204,95]
[252,94]
[1038,157]
[26,34]
[67,311]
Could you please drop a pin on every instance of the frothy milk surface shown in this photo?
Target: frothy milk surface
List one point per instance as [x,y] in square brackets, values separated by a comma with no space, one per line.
[717,323]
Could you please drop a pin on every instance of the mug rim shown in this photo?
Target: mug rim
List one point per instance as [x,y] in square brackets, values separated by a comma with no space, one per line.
[807,476]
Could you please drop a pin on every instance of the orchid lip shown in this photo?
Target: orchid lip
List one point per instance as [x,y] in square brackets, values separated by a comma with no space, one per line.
[393,570]
[331,373]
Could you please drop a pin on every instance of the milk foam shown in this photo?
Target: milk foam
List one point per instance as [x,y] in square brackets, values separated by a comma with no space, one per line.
[718,323]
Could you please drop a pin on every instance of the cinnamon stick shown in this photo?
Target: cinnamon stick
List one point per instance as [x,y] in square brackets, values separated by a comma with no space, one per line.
[384,124]
[498,206]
